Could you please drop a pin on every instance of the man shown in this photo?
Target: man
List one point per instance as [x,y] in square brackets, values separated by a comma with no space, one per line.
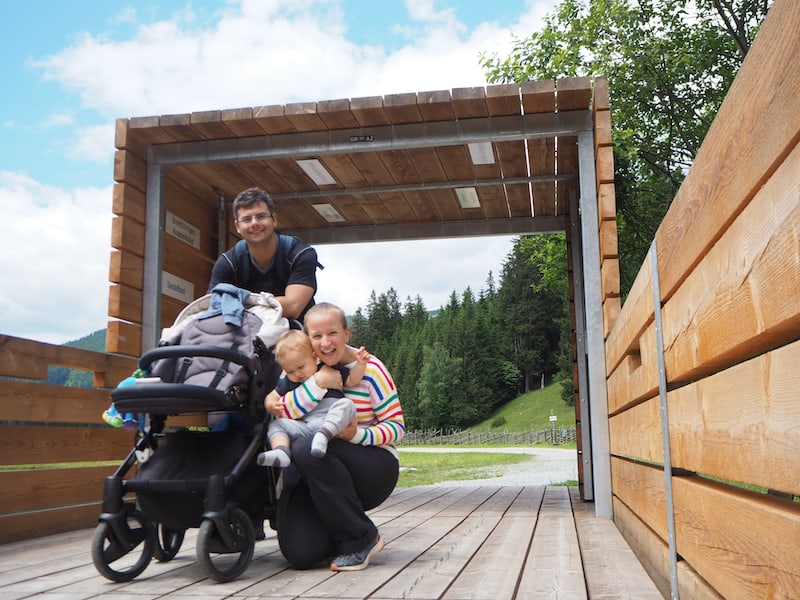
[265,260]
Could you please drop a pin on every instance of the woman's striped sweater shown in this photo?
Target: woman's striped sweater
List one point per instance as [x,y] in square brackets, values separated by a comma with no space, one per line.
[378,410]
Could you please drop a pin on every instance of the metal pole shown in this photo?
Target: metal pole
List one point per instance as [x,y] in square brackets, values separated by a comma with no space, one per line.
[662,392]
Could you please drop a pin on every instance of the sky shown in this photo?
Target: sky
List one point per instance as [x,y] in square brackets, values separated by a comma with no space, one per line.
[70,69]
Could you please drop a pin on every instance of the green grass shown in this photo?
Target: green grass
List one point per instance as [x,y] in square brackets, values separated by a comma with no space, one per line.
[423,468]
[531,410]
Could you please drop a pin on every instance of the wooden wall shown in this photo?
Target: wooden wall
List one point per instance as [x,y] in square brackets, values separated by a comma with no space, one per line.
[728,268]
[192,205]
[48,433]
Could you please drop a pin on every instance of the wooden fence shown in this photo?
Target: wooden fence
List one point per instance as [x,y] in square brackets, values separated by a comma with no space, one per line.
[47,435]
[702,362]
[550,435]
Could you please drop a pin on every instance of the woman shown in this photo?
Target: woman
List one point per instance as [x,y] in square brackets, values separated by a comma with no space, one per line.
[321,511]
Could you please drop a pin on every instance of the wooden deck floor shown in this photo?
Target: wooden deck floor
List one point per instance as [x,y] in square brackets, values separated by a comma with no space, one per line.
[487,542]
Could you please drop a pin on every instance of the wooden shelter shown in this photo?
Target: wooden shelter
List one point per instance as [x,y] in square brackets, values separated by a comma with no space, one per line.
[504,159]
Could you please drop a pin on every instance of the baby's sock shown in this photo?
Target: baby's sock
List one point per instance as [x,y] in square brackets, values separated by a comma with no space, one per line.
[278,457]
[319,444]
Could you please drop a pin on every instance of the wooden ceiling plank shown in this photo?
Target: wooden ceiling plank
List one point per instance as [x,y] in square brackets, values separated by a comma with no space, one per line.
[567,164]
[512,156]
[503,100]
[427,164]
[425,209]
[351,208]
[372,168]
[493,201]
[400,166]
[369,112]
[304,116]
[538,96]
[241,122]
[343,169]
[469,103]
[272,119]
[574,93]
[402,108]
[436,105]
[542,158]
[519,200]
[335,114]
[266,177]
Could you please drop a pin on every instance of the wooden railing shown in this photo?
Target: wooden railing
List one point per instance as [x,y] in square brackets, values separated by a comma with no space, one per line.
[702,362]
[53,437]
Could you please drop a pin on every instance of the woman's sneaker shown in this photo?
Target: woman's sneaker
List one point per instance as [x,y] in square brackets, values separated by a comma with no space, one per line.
[357,560]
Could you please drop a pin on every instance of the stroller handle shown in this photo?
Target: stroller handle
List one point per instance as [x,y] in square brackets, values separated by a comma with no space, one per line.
[154,354]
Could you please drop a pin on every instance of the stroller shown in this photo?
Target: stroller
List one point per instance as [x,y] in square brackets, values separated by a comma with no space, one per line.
[196,477]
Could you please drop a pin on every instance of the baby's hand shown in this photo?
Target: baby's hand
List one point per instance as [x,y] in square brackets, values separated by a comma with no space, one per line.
[363,356]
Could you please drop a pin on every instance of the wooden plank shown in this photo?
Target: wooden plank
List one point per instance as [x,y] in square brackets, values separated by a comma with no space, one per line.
[637,313]
[125,302]
[272,119]
[25,401]
[127,235]
[611,568]
[180,127]
[124,338]
[47,522]
[542,157]
[210,124]
[754,128]
[741,299]
[369,111]
[503,99]
[303,116]
[435,105]
[29,359]
[43,488]
[335,114]
[553,568]
[130,169]
[640,487]
[37,445]
[126,268]
[402,108]
[538,96]
[240,121]
[129,202]
[470,103]
[573,93]
[743,544]
[650,550]
[636,378]
[567,165]
[752,405]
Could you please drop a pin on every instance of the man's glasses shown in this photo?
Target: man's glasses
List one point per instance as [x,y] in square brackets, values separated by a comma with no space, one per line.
[259,218]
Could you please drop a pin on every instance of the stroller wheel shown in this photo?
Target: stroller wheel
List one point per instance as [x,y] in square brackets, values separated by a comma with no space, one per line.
[111,546]
[224,555]
[168,543]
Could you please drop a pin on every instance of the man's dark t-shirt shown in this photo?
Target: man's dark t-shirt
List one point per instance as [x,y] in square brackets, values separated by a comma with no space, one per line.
[295,262]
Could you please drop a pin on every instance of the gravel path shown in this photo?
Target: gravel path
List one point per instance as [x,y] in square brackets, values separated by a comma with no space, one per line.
[551,465]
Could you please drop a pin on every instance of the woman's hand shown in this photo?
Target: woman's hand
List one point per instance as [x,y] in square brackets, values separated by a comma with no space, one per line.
[328,378]
[348,432]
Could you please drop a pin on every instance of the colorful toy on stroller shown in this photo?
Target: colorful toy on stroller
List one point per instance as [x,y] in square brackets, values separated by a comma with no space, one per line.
[216,359]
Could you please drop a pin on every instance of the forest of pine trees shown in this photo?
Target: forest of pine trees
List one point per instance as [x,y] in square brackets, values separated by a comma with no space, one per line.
[453,366]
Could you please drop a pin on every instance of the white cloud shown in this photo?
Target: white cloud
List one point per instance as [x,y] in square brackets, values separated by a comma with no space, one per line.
[54,259]
[54,268]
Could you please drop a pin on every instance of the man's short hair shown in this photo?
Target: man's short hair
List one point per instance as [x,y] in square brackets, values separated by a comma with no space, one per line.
[251,196]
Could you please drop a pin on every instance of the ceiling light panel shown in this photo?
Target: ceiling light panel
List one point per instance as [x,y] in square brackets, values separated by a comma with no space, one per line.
[481,153]
[318,173]
[330,214]
[468,197]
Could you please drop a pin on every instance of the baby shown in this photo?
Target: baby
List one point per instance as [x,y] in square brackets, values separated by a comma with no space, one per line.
[329,418]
